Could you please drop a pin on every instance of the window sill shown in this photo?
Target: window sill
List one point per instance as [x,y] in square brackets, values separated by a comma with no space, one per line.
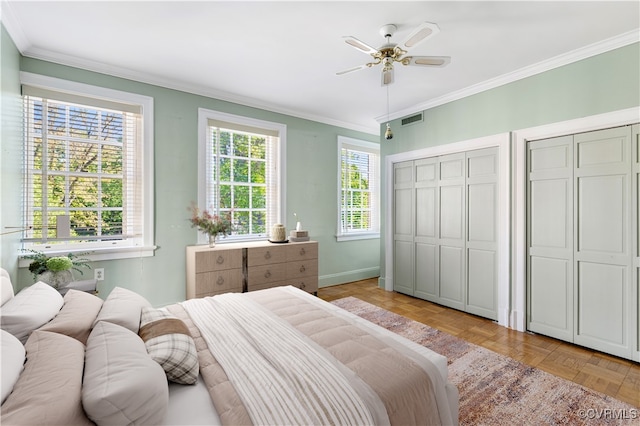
[359,236]
[97,254]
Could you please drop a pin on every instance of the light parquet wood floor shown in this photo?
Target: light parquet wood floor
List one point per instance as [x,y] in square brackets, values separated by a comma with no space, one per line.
[610,375]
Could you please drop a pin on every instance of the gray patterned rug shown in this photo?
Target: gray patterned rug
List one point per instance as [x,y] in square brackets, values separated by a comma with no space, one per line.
[497,390]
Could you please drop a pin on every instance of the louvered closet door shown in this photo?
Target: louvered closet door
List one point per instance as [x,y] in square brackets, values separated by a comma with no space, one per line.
[550,237]
[482,234]
[426,234]
[403,254]
[603,240]
[452,271]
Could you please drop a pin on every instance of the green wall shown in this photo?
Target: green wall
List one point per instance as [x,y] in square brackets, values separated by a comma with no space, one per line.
[10,152]
[603,83]
[311,188]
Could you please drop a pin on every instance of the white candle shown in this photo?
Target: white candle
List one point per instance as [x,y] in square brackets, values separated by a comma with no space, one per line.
[298,226]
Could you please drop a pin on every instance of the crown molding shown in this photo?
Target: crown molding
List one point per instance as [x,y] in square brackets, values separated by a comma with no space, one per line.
[594,49]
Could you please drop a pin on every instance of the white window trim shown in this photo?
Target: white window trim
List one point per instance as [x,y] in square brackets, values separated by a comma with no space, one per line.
[355,235]
[204,115]
[115,251]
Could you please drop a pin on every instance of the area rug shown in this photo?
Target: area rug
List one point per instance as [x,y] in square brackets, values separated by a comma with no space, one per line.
[498,390]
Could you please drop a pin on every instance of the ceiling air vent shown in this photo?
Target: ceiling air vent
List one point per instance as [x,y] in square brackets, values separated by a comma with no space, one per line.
[412,119]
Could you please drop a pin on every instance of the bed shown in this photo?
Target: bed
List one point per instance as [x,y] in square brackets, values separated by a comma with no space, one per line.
[276,356]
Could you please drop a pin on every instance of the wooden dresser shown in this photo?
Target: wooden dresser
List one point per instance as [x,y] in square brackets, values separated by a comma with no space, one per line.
[240,267]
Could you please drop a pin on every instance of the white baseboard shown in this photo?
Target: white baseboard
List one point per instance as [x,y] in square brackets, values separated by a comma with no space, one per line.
[348,276]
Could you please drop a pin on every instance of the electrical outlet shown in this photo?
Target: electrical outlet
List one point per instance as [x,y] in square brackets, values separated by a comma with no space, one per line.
[98,274]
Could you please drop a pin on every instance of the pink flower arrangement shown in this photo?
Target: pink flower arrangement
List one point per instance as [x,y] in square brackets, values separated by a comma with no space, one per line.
[211,224]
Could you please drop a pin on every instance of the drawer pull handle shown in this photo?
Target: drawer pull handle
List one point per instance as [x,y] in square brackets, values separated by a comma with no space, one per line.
[302,268]
[220,281]
[267,255]
[302,286]
[220,260]
[302,252]
[267,274]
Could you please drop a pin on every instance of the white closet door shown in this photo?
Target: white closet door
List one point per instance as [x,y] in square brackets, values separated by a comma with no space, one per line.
[482,235]
[403,256]
[452,231]
[635,222]
[603,240]
[426,236]
[550,237]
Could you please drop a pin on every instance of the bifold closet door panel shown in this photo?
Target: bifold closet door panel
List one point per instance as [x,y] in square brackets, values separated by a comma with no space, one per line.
[550,237]
[426,235]
[603,240]
[452,271]
[403,218]
[482,238]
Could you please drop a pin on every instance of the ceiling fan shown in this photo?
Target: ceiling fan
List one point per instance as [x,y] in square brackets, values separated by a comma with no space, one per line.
[391,52]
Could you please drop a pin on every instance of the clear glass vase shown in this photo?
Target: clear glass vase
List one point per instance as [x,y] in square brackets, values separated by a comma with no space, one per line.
[212,240]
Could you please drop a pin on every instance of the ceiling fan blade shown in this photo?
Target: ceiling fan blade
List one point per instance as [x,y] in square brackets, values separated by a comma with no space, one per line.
[387,76]
[427,61]
[421,33]
[354,69]
[361,46]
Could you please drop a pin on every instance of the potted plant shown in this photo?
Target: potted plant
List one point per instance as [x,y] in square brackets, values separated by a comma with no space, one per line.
[211,224]
[56,270]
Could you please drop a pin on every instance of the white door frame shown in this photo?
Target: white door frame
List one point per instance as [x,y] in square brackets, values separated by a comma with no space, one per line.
[519,184]
[502,141]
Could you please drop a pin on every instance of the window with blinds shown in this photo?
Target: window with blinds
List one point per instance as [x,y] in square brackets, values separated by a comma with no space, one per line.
[359,180]
[243,174]
[83,171]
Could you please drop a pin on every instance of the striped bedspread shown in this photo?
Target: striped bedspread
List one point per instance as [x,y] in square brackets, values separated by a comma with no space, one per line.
[280,375]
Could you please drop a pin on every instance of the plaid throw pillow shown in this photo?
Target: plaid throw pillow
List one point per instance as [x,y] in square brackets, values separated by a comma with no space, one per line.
[169,343]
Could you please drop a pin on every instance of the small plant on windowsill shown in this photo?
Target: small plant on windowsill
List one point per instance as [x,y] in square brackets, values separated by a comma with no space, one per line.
[211,224]
[56,270]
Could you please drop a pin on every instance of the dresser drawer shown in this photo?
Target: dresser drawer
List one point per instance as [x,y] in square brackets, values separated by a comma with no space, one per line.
[218,260]
[302,269]
[209,283]
[308,284]
[302,251]
[266,255]
[266,274]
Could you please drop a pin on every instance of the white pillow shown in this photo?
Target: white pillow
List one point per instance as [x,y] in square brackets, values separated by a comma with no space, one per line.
[122,384]
[12,354]
[123,307]
[29,309]
[6,289]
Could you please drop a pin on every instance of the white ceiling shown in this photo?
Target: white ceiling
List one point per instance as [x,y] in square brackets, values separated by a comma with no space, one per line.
[284,56]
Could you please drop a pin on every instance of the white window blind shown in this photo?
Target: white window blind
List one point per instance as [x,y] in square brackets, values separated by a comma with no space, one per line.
[83,171]
[243,173]
[359,188]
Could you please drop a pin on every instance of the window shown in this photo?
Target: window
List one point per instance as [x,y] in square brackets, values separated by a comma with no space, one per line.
[359,189]
[87,169]
[241,172]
